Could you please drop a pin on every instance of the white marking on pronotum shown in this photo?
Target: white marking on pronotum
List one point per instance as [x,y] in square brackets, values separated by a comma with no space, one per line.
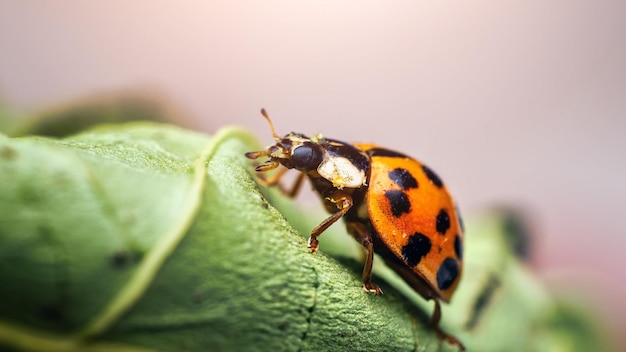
[341,172]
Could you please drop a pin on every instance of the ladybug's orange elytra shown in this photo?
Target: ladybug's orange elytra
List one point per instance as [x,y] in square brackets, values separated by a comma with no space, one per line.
[392,205]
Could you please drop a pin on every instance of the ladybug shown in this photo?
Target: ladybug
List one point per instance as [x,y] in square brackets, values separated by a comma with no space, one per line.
[392,204]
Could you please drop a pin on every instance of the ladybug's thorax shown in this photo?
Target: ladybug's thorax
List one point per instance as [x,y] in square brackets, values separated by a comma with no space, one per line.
[344,165]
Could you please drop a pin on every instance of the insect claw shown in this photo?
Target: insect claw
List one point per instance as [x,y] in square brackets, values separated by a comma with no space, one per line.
[371,287]
[313,244]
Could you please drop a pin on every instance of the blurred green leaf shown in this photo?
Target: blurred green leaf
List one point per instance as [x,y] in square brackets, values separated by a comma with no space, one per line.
[79,115]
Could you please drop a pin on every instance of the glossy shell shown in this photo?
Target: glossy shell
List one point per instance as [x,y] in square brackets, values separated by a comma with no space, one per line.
[415,218]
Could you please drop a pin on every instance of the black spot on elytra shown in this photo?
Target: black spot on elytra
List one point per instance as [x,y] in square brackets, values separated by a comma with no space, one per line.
[458,247]
[443,222]
[403,178]
[399,202]
[432,176]
[447,273]
[418,246]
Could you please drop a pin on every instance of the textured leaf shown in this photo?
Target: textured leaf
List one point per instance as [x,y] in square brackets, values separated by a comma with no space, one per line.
[149,237]
[152,237]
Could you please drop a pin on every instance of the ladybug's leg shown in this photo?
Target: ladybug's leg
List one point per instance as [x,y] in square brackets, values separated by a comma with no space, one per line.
[363,236]
[343,203]
[274,180]
[296,186]
[442,334]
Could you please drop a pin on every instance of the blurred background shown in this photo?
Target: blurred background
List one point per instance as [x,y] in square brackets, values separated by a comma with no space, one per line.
[520,104]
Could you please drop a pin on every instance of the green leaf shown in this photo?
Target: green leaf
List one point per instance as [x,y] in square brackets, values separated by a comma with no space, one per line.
[151,237]
[144,236]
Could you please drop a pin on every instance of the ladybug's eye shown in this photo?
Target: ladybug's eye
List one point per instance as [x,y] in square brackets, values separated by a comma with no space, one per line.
[306,157]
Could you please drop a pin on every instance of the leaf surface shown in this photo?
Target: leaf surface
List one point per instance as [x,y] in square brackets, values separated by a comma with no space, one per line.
[145,236]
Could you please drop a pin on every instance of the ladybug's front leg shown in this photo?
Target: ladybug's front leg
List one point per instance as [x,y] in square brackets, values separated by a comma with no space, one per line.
[343,203]
[363,236]
[274,180]
[297,185]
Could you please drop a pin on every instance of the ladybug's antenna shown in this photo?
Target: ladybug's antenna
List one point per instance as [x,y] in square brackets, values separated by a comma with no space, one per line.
[267,117]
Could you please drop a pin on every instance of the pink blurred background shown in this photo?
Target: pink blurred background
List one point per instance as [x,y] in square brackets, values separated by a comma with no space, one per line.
[518,102]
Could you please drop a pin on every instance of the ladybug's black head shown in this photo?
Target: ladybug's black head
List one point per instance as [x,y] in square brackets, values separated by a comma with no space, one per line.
[294,151]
